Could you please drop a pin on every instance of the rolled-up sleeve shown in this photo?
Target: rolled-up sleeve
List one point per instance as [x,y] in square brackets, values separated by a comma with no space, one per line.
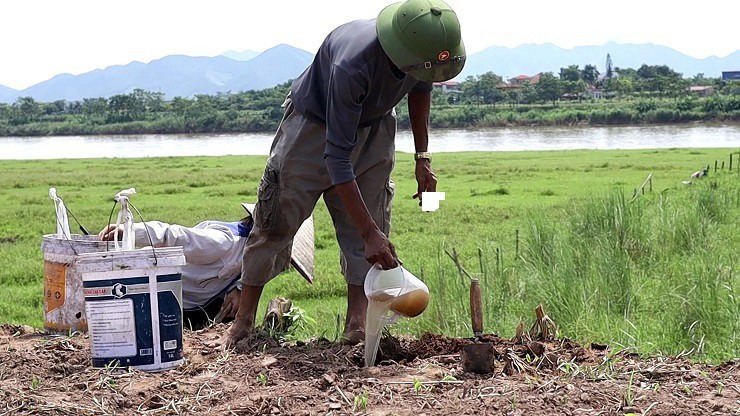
[343,111]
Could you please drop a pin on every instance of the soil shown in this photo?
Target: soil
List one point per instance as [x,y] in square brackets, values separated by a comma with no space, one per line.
[52,375]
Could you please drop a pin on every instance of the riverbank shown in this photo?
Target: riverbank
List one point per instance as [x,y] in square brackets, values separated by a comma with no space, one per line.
[216,117]
[506,214]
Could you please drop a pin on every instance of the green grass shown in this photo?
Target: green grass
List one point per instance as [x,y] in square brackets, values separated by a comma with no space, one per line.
[657,274]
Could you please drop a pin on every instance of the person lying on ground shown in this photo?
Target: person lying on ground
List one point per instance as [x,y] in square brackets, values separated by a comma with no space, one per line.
[336,140]
[213,260]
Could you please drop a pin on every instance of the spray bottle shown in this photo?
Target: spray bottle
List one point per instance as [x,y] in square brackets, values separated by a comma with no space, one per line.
[62,220]
[125,218]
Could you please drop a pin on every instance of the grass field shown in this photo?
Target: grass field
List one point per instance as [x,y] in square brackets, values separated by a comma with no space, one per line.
[658,274]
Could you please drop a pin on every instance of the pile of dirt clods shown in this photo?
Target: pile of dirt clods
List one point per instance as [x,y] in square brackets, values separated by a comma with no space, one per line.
[52,375]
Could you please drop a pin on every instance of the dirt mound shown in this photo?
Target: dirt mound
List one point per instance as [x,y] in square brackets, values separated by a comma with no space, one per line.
[51,375]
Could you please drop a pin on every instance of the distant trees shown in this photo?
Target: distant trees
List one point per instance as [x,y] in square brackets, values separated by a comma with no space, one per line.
[571,73]
[146,111]
[95,108]
[548,88]
[590,74]
[650,92]
[618,86]
[574,83]
[483,89]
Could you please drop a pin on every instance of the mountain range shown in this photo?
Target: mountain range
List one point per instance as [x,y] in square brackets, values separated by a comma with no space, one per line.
[241,56]
[186,76]
[174,75]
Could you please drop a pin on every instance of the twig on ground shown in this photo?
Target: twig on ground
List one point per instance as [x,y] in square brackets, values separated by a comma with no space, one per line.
[483,392]
[427,382]
[648,409]
[341,393]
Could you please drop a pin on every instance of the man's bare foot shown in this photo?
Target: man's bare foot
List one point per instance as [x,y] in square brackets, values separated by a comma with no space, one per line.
[353,337]
[239,330]
[244,322]
[354,330]
[354,323]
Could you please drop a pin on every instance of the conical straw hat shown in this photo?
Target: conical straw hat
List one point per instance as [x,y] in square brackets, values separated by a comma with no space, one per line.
[303,250]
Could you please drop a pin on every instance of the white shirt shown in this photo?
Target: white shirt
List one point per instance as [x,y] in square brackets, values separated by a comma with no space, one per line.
[213,256]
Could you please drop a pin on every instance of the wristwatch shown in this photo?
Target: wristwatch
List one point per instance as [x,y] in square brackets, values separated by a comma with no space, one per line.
[423,155]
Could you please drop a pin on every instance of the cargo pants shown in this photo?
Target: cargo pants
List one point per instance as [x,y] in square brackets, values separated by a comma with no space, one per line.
[294,179]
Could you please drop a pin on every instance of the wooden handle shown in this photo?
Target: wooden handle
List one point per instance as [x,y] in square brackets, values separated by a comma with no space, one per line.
[476,307]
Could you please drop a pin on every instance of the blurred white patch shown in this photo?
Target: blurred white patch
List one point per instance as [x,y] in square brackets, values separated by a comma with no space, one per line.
[430,200]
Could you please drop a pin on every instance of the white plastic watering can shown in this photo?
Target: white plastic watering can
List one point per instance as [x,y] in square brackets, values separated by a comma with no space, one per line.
[396,291]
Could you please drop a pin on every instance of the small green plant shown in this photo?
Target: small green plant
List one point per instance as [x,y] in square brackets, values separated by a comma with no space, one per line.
[417,385]
[628,398]
[338,328]
[35,383]
[299,320]
[720,387]
[514,402]
[360,401]
[569,367]
[112,365]
[262,379]
[448,377]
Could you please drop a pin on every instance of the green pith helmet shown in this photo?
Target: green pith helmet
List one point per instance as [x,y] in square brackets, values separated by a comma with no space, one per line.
[422,38]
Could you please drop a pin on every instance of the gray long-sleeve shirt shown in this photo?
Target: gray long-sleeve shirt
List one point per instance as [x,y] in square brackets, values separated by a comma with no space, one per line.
[350,84]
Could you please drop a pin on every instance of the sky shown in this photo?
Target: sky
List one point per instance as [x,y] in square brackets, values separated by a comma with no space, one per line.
[43,38]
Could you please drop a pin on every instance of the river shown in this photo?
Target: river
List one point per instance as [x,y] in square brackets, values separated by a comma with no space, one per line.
[441,140]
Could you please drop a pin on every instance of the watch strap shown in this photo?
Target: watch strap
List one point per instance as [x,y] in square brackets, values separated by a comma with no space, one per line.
[423,155]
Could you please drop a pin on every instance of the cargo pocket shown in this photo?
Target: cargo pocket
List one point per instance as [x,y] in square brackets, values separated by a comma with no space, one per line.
[267,204]
[390,191]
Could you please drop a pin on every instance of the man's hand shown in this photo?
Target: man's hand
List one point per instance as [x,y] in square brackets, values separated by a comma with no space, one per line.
[419,106]
[425,178]
[379,249]
[230,306]
[107,233]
